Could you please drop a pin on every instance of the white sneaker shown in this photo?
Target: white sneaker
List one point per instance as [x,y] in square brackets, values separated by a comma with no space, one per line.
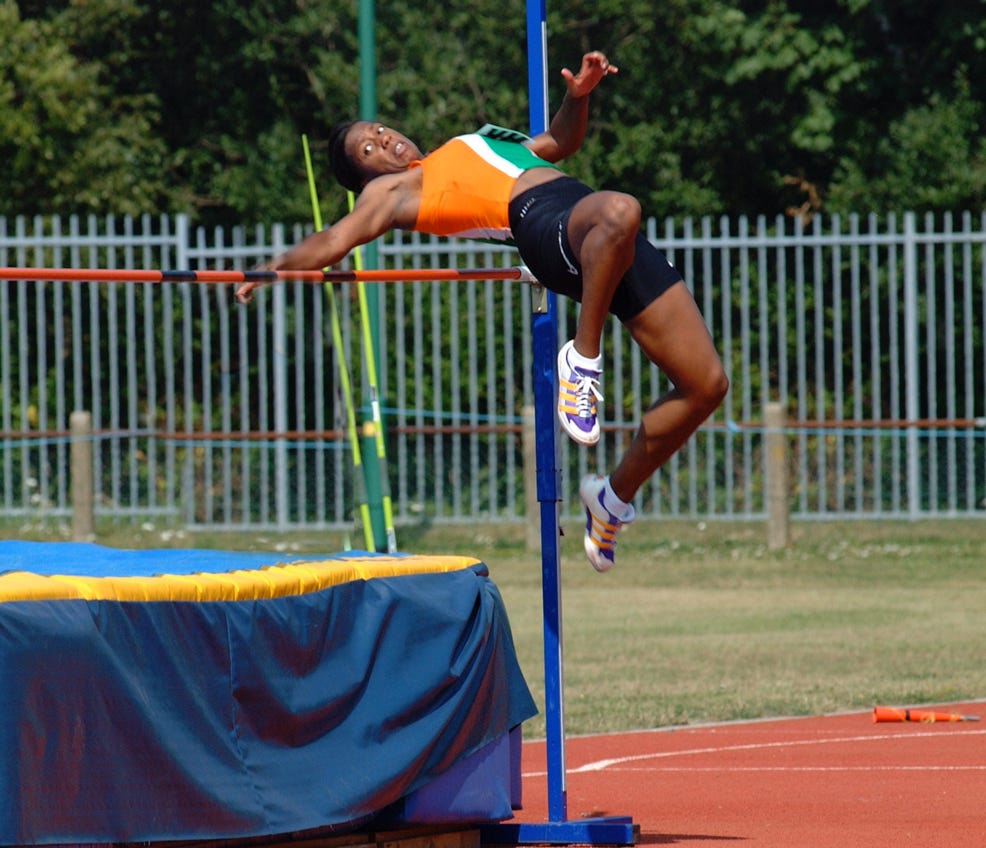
[578,391]
[600,524]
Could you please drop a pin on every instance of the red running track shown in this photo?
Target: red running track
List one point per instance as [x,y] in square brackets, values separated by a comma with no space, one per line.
[840,781]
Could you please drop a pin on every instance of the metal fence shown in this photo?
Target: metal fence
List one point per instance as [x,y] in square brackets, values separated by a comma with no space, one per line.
[870,330]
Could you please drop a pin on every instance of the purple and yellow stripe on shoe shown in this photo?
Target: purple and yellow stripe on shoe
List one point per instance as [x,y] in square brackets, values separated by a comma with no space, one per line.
[601,525]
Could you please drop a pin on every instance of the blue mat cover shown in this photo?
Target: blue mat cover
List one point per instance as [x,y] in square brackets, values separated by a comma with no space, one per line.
[124,721]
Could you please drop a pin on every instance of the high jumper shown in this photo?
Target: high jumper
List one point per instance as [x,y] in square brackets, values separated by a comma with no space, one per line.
[578,242]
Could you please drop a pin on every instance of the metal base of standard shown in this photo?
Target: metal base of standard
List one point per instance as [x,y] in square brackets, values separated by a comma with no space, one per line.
[608,830]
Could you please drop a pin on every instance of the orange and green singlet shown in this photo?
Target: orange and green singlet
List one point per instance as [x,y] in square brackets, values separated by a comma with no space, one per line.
[466,184]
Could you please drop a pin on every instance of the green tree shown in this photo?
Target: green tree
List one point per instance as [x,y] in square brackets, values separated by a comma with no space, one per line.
[115,105]
[68,141]
[931,158]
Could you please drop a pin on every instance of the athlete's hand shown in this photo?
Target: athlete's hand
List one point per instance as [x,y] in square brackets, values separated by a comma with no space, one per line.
[595,66]
[244,291]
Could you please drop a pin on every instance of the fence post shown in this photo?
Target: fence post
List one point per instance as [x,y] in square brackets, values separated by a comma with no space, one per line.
[775,442]
[80,459]
[279,357]
[912,370]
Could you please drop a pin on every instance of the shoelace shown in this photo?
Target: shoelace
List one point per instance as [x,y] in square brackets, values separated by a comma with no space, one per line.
[585,388]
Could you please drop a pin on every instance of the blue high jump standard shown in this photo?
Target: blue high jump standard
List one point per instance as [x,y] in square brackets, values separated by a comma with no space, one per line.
[607,830]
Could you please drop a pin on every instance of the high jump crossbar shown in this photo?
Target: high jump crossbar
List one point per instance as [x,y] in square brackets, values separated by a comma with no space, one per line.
[139,275]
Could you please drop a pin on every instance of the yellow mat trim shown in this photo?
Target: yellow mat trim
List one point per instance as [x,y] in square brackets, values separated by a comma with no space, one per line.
[273,581]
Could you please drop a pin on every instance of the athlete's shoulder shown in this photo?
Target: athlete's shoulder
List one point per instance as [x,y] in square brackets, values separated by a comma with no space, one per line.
[408,180]
[394,195]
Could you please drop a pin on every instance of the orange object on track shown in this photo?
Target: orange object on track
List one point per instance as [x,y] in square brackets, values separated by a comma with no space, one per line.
[926,716]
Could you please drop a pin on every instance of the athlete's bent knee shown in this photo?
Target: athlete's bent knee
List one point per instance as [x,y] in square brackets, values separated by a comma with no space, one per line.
[711,390]
[620,213]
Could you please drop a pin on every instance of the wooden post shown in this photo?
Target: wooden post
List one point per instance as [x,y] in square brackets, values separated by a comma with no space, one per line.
[80,458]
[532,532]
[775,444]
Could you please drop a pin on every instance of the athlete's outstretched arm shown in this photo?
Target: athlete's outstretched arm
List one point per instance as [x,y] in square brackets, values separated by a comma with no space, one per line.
[379,208]
[567,129]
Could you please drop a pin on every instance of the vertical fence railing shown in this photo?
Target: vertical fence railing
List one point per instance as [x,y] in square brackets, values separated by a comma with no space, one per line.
[869,330]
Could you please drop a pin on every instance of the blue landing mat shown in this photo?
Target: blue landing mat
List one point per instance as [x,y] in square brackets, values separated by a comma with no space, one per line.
[240,695]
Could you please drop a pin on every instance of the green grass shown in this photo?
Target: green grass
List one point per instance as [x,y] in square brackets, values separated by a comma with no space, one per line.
[703,623]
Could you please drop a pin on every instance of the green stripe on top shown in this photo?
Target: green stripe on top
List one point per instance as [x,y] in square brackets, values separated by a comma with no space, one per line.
[502,133]
[512,155]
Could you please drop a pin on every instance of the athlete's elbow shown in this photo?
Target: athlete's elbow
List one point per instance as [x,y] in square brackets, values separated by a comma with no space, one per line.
[569,144]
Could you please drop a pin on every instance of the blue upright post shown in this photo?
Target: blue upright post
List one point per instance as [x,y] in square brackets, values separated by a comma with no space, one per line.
[611,830]
[545,338]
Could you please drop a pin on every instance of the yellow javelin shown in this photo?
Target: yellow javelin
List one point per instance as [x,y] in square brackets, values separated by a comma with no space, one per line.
[347,392]
[377,420]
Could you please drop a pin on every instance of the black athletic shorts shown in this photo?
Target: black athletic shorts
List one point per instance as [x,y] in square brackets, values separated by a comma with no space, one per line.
[539,225]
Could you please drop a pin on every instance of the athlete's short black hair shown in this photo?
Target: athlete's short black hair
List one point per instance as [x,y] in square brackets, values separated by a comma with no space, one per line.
[343,167]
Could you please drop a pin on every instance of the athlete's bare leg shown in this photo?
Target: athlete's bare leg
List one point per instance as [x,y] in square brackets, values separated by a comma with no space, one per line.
[672,334]
[601,230]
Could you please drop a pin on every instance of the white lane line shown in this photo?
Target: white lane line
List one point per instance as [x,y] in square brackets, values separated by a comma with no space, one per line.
[785,769]
[602,765]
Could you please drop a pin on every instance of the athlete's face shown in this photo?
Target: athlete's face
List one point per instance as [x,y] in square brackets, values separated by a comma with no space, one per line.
[377,149]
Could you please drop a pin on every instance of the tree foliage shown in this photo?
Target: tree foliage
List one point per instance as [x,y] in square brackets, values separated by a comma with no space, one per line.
[719,107]
[69,139]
